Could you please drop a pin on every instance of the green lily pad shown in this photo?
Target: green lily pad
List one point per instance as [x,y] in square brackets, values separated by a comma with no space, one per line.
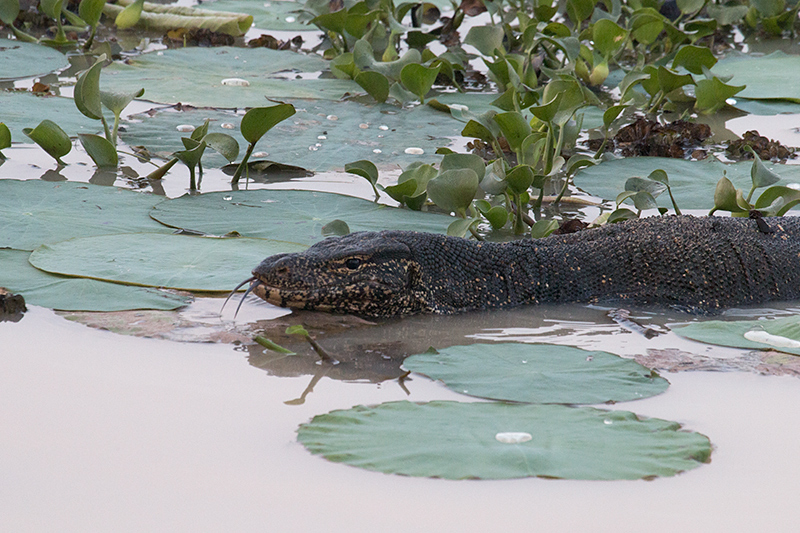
[77,294]
[322,135]
[538,373]
[26,110]
[772,77]
[270,15]
[20,60]
[296,216]
[156,260]
[36,212]
[692,182]
[780,334]
[270,74]
[454,440]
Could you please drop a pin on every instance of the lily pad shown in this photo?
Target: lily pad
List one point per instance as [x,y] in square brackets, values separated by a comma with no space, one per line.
[454,440]
[156,260]
[35,212]
[772,77]
[296,216]
[538,373]
[26,110]
[692,182]
[77,294]
[780,334]
[268,73]
[20,60]
[322,135]
[270,15]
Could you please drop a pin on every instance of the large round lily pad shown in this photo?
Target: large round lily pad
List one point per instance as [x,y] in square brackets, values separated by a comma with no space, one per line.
[322,135]
[20,60]
[77,294]
[538,373]
[770,77]
[781,334]
[194,76]
[157,260]
[456,440]
[35,212]
[692,182]
[271,15]
[296,216]
[25,110]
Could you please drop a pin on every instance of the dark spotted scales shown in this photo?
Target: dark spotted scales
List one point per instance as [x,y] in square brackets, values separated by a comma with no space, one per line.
[697,264]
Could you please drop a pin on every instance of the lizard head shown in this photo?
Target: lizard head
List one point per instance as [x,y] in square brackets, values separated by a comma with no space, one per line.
[367,273]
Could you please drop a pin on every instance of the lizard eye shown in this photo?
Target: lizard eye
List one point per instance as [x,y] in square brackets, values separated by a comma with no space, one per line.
[352,263]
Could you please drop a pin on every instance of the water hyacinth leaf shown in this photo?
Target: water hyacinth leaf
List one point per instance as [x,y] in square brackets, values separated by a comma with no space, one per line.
[91,11]
[690,181]
[402,190]
[128,17]
[364,58]
[118,101]
[78,294]
[790,197]
[690,6]
[295,216]
[5,137]
[543,228]
[159,260]
[654,187]
[87,91]
[259,120]
[781,334]
[333,21]
[460,226]
[496,215]
[547,111]
[729,198]
[35,212]
[51,138]
[486,39]
[375,83]
[419,79]
[514,128]
[694,58]
[646,25]
[100,149]
[608,36]
[479,131]
[454,440]
[538,373]
[726,15]
[9,11]
[456,161]
[454,190]
[223,144]
[365,169]
[712,94]
[669,81]
[51,8]
[519,179]
[760,174]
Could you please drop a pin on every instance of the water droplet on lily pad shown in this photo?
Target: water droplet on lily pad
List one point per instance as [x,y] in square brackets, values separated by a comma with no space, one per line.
[290,19]
[332,117]
[363,126]
[730,101]
[413,150]
[377,151]
[608,422]
[227,198]
[235,82]
[260,154]
[321,137]
[459,107]
[313,148]
[185,128]
[513,437]
[383,127]
[227,126]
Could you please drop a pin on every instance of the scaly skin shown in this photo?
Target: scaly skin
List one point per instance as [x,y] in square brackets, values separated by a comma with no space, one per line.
[696,264]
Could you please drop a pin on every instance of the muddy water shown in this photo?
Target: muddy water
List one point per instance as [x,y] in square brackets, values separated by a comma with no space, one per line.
[107,432]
